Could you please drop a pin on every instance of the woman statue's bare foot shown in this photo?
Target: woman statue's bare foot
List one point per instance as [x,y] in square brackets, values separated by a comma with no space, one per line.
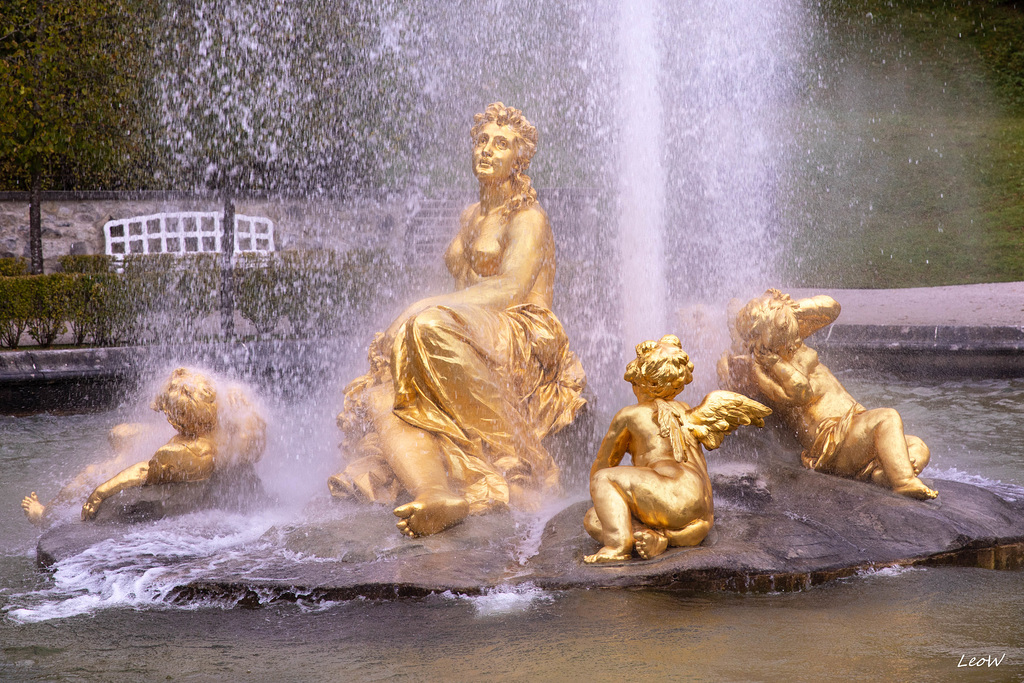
[649,543]
[33,508]
[430,513]
[341,486]
[607,554]
[915,488]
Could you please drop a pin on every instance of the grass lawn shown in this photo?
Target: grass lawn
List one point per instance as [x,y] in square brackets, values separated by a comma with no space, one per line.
[913,141]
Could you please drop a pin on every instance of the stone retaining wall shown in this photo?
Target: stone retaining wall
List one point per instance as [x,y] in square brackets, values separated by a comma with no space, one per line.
[73,224]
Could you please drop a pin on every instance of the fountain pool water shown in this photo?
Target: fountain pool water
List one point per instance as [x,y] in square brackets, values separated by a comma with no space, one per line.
[104,615]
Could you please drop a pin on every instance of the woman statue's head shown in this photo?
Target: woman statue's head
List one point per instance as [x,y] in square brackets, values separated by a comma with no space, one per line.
[503,135]
[661,368]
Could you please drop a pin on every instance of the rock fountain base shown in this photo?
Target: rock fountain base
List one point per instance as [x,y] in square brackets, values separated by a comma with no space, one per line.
[778,527]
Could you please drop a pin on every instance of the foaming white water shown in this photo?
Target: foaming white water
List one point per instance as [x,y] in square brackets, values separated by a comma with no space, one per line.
[888,572]
[509,599]
[531,526]
[142,568]
[1009,492]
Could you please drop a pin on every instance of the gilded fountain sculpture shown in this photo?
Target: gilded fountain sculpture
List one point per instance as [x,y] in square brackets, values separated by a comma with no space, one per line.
[464,387]
[839,435]
[665,498]
[217,431]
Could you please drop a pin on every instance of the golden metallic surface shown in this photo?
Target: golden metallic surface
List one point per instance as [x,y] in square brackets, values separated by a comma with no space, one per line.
[121,438]
[664,499]
[463,387]
[214,433]
[839,435]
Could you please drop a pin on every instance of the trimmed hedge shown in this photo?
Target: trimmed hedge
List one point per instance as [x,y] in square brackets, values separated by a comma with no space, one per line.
[162,298]
[16,296]
[13,267]
[86,263]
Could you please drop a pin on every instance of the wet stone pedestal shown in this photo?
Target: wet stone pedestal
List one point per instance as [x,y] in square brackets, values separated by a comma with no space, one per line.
[237,490]
[777,527]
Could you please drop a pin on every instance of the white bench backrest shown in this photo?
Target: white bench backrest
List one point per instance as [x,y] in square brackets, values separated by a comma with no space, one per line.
[185,232]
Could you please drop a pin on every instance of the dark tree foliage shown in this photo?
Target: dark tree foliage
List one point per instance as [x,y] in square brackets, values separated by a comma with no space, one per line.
[280,97]
[72,97]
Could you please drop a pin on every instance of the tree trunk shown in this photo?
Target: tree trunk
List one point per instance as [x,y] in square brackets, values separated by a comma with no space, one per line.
[35,224]
[35,215]
[227,272]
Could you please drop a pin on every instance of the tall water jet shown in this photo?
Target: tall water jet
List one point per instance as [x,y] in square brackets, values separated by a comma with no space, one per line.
[640,176]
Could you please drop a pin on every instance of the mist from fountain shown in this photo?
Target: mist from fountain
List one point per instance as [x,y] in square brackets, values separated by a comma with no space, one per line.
[666,144]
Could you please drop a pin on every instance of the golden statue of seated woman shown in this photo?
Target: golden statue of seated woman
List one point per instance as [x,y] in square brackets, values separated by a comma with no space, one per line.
[665,498]
[464,387]
[839,435]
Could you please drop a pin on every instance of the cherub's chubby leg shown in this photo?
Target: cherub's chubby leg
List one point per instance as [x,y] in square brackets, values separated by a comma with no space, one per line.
[647,542]
[415,458]
[690,535]
[610,521]
[650,543]
[878,435]
[920,455]
[34,510]
[919,452]
[636,504]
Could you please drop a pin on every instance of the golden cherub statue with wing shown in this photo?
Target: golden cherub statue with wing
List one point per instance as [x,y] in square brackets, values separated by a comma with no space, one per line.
[665,497]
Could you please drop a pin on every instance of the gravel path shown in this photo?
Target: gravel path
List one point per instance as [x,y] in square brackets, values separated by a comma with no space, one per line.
[984,305]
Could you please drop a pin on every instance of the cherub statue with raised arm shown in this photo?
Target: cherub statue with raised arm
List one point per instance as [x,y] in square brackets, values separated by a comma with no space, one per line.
[839,435]
[664,499]
[216,432]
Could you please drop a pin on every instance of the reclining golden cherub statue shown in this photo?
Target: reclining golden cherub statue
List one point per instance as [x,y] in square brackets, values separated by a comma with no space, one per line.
[665,498]
[839,435]
[215,433]
[123,440]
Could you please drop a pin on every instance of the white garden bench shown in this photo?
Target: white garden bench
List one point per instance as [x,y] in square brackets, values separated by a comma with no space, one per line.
[185,232]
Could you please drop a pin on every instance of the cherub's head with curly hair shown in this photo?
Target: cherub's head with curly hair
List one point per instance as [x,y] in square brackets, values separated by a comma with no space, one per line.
[768,324]
[661,368]
[189,400]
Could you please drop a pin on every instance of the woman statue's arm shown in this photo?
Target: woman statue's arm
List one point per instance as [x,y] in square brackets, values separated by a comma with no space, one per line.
[528,248]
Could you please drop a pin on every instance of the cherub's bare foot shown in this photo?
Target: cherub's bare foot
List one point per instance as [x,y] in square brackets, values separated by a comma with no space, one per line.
[607,554]
[649,543]
[915,488]
[33,508]
[91,507]
[430,513]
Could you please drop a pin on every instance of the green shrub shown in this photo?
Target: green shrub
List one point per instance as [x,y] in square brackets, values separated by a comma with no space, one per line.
[111,311]
[49,307]
[310,305]
[261,291]
[13,267]
[85,263]
[366,276]
[197,284]
[325,289]
[15,308]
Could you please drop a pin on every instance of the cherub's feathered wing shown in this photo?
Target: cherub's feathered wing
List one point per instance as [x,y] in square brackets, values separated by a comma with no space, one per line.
[720,413]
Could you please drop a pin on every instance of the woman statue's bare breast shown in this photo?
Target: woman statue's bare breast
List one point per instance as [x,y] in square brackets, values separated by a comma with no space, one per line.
[485,254]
